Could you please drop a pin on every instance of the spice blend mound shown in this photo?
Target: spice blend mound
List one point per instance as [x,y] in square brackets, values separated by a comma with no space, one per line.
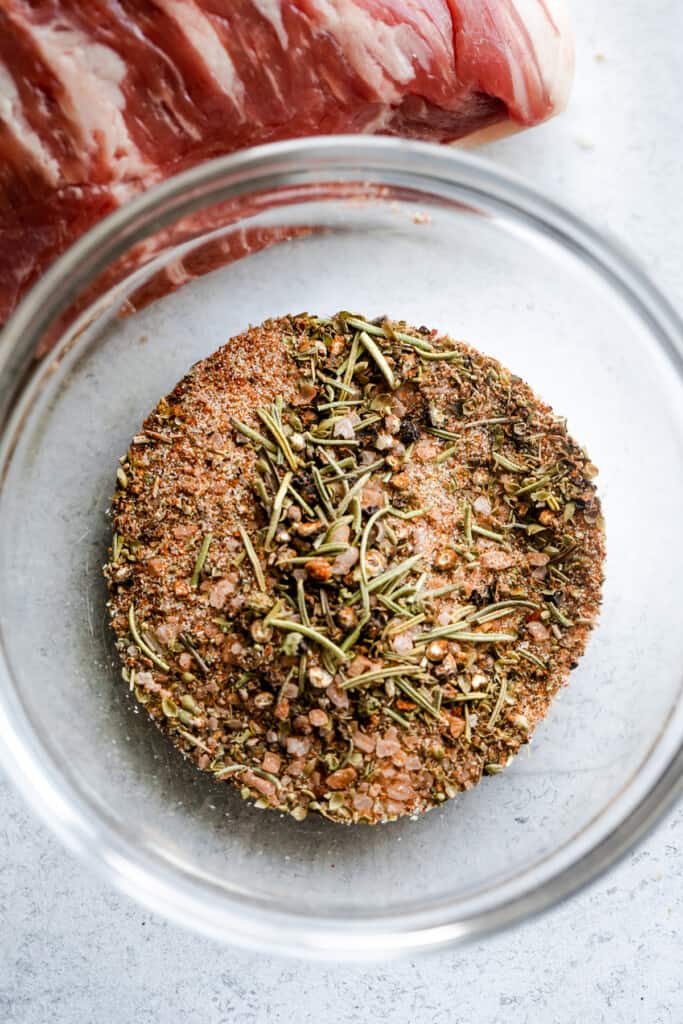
[352,563]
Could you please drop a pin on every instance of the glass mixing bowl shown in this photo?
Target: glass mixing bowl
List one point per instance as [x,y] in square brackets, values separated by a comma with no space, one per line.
[377,226]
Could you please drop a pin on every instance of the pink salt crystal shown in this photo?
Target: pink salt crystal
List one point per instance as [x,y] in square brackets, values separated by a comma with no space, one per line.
[340,534]
[363,742]
[495,558]
[298,745]
[401,791]
[362,803]
[403,643]
[482,505]
[387,746]
[425,451]
[342,778]
[339,697]
[344,428]
[421,539]
[271,762]
[146,680]
[185,530]
[537,630]
[263,786]
[372,494]
[220,592]
[167,632]
[345,561]
[358,665]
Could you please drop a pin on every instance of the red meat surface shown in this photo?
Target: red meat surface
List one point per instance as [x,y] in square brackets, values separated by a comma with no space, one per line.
[101,99]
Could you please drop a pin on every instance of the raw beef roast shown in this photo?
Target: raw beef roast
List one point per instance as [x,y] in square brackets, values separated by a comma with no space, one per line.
[101,98]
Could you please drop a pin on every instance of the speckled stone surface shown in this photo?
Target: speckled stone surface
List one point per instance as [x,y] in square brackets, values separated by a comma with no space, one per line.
[72,950]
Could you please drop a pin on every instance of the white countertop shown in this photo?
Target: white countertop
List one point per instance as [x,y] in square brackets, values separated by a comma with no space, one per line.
[74,951]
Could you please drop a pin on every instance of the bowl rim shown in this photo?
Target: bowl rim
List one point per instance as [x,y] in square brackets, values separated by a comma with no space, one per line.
[84,827]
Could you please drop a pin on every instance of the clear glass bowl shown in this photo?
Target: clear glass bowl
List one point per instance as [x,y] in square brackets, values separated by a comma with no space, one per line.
[374,225]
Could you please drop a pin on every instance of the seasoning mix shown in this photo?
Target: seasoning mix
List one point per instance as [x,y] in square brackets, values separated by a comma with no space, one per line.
[352,564]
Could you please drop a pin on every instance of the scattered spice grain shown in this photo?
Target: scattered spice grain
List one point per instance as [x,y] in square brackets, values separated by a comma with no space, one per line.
[352,563]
